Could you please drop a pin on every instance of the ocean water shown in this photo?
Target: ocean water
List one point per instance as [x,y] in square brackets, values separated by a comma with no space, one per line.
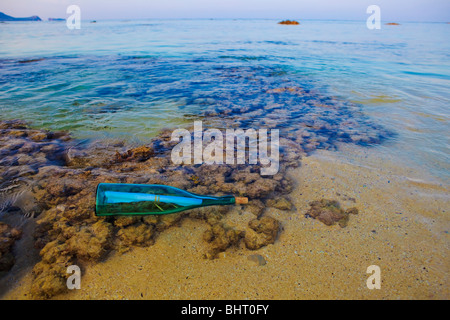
[338,80]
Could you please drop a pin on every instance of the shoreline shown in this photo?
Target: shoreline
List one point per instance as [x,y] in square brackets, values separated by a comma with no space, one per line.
[402,226]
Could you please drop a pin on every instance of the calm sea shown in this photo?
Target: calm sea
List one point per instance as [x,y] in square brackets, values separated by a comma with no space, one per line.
[131,78]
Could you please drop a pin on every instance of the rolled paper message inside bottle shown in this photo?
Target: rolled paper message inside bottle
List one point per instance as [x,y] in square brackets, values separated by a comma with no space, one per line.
[116,199]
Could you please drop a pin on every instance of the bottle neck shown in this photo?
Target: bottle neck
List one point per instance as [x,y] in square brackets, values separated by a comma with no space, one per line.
[225,200]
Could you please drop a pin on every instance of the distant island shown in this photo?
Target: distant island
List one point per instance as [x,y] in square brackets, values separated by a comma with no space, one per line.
[289,22]
[56,19]
[5,17]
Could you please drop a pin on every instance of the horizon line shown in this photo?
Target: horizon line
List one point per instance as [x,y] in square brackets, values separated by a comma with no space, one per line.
[272,19]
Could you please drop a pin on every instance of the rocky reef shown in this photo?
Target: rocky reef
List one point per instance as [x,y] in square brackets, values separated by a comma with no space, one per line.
[46,175]
[51,177]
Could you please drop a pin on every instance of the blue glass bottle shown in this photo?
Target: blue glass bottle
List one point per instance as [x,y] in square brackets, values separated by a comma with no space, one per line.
[117,199]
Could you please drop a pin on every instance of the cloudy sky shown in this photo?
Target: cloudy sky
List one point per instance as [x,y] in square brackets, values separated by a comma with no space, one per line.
[391,10]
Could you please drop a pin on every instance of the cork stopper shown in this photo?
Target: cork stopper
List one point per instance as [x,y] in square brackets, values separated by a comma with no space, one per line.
[241,200]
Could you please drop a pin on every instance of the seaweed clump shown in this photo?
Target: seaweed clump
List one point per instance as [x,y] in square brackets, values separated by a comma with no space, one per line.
[330,212]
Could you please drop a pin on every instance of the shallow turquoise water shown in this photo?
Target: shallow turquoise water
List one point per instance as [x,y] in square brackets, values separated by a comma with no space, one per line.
[131,78]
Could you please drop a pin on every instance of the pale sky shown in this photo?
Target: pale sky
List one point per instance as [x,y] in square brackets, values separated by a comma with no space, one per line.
[391,10]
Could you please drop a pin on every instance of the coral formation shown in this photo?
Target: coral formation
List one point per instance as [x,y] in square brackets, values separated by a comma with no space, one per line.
[60,180]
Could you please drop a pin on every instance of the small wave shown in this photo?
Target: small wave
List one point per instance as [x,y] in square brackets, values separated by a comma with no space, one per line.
[427,74]
[31,60]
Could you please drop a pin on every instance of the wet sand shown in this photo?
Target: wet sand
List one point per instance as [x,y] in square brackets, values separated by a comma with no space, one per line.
[402,227]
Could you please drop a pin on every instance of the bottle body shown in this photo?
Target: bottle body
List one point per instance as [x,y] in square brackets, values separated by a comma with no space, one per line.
[116,199]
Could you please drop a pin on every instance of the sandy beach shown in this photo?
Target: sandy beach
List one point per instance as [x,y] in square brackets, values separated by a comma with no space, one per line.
[402,227]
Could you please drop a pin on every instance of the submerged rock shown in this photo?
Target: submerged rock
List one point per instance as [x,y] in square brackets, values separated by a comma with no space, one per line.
[50,274]
[330,212]
[221,238]
[91,242]
[263,231]
[256,207]
[140,234]
[280,203]
[8,236]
